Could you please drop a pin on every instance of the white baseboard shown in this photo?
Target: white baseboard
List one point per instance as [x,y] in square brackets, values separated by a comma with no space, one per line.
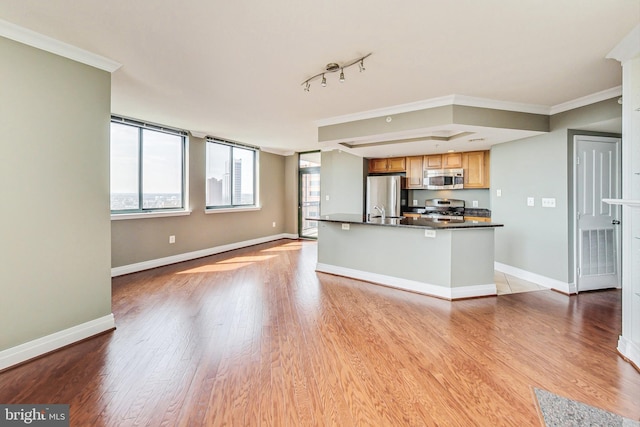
[410,285]
[547,282]
[32,349]
[146,265]
[630,350]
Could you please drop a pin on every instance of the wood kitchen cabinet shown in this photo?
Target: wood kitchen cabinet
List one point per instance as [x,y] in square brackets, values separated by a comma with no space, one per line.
[433,161]
[476,169]
[477,218]
[443,161]
[414,177]
[391,164]
[452,161]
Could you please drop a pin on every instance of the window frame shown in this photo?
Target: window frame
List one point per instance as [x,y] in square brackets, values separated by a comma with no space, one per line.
[255,181]
[153,212]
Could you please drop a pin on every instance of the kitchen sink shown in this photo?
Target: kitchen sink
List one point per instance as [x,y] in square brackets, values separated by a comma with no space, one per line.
[389,220]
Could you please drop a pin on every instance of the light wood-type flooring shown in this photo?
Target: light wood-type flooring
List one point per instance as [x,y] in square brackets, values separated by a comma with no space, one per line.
[256,337]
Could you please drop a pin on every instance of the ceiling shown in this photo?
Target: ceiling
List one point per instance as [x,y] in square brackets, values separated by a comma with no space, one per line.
[233,69]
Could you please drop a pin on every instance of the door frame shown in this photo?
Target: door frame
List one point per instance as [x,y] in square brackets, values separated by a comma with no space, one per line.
[611,139]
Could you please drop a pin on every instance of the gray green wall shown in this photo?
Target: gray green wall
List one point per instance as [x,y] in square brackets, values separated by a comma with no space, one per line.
[54,146]
[139,240]
[342,180]
[536,239]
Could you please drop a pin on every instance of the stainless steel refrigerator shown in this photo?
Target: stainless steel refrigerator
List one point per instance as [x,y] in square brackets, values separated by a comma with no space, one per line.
[383,194]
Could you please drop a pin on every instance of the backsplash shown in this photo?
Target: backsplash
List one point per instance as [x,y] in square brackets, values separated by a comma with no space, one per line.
[483,196]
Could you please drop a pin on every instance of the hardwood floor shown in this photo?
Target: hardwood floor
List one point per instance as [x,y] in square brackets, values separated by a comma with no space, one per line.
[257,337]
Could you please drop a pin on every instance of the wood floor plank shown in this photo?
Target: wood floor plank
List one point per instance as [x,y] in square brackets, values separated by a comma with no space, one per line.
[255,337]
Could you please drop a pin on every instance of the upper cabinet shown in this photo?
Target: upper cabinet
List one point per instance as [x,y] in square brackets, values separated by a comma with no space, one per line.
[414,177]
[452,161]
[476,169]
[443,161]
[391,164]
[433,161]
[474,163]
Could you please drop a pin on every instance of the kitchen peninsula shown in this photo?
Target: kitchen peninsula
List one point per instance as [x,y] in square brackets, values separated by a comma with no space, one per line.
[450,260]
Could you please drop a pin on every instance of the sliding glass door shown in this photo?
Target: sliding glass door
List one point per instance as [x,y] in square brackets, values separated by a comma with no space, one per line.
[309,194]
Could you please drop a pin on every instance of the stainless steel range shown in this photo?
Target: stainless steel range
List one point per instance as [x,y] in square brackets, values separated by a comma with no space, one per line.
[444,210]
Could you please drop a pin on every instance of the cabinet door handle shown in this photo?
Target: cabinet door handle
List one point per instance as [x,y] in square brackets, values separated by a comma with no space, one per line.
[615,222]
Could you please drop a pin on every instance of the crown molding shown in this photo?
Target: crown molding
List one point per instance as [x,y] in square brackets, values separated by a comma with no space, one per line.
[46,43]
[586,100]
[278,152]
[198,134]
[628,48]
[467,101]
[470,101]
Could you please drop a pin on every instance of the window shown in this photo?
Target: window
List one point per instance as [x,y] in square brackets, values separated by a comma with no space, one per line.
[147,167]
[231,175]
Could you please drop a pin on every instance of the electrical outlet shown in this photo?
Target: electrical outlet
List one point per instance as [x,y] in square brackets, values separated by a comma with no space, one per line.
[474,203]
[326,197]
[345,226]
[531,201]
[548,202]
[172,239]
[415,203]
[430,233]
[498,193]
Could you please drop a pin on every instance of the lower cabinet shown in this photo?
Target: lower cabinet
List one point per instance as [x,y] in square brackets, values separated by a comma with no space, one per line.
[477,218]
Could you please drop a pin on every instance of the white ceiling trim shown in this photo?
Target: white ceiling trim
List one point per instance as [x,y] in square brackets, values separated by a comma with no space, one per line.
[628,48]
[470,101]
[40,41]
[433,103]
[586,100]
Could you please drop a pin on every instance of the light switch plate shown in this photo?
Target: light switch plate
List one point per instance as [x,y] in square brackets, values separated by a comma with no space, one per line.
[531,201]
[498,193]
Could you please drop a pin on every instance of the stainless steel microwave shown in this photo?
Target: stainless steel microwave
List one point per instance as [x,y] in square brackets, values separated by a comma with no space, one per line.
[443,179]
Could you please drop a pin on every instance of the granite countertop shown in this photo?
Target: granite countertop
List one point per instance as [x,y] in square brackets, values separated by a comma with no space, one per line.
[404,222]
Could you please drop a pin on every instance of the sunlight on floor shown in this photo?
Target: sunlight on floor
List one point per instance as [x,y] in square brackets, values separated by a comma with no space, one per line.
[507,284]
[228,264]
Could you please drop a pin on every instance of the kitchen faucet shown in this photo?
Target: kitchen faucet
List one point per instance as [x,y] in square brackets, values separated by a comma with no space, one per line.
[381,210]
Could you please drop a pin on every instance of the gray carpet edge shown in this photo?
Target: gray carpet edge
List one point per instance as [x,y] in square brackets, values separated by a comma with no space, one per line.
[558,411]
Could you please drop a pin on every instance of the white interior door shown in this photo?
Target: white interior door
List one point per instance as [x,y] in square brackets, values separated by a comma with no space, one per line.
[597,177]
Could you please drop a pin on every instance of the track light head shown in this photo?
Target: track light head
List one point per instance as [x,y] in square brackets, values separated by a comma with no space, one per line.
[324,81]
[342,75]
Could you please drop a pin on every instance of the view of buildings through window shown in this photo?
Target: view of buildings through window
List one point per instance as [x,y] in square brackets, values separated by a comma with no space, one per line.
[230,175]
[147,168]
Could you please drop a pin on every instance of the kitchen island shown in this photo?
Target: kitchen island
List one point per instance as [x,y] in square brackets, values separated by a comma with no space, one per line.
[445,259]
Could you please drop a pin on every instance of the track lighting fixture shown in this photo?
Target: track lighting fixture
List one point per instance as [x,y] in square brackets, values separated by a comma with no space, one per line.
[332,67]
